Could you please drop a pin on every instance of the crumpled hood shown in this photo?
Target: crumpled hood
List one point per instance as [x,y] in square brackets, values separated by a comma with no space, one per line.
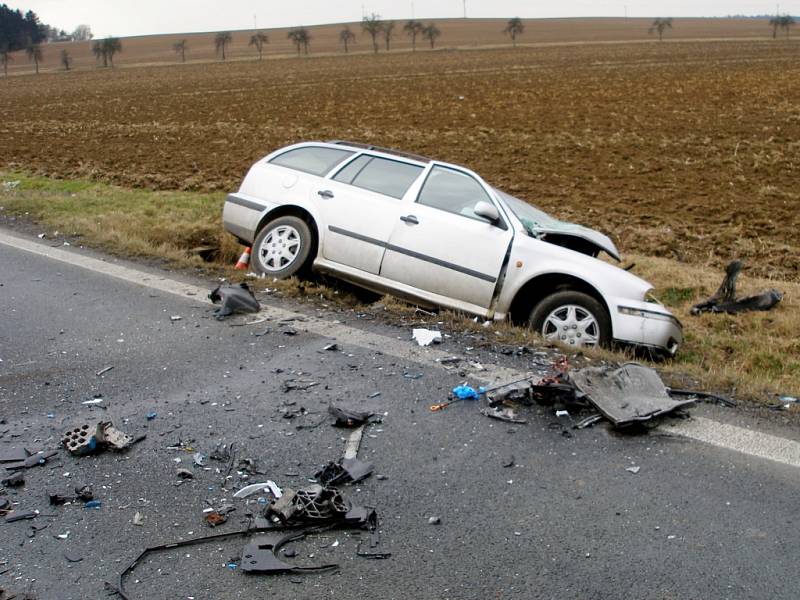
[548,228]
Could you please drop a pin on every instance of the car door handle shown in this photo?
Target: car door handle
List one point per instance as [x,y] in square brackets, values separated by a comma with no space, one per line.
[410,219]
[326,194]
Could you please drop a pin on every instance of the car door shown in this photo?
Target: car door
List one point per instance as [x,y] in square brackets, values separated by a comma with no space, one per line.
[440,245]
[360,204]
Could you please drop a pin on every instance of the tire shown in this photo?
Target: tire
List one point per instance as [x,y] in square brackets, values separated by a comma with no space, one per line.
[573,319]
[282,248]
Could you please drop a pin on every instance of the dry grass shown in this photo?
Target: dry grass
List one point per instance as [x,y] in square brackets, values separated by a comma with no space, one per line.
[754,355]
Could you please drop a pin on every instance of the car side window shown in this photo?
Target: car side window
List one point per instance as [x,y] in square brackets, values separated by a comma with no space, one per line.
[312,159]
[453,191]
[381,175]
[353,168]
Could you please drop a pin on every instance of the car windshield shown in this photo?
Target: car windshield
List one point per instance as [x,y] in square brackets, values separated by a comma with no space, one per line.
[532,218]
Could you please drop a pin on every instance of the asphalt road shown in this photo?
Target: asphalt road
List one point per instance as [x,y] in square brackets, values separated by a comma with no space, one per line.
[566,521]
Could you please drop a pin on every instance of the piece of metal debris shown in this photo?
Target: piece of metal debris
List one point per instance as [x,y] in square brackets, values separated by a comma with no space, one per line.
[633,470]
[626,395]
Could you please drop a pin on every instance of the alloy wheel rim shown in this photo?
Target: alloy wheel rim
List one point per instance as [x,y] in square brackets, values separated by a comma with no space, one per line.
[572,325]
[280,248]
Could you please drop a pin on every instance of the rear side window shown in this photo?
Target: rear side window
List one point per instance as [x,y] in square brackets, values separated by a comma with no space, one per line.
[314,160]
[453,191]
[381,175]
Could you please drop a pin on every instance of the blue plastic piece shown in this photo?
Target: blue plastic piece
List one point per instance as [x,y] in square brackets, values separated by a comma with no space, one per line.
[465,392]
[151,415]
[51,415]
[93,504]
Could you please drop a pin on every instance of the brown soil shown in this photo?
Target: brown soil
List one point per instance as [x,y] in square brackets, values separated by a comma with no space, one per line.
[686,150]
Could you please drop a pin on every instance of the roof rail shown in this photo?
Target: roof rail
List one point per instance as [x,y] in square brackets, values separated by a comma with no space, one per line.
[391,151]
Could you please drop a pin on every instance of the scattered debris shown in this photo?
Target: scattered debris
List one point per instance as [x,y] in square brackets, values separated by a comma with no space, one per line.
[268,486]
[331,348]
[34,460]
[88,439]
[184,474]
[346,417]
[503,414]
[96,504]
[21,516]
[138,520]
[84,493]
[346,470]
[434,520]
[214,518]
[426,337]
[234,299]
[72,556]
[625,395]
[724,300]
[15,480]
[102,372]
[13,455]
[260,555]
[633,470]
[588,421]
[298,384]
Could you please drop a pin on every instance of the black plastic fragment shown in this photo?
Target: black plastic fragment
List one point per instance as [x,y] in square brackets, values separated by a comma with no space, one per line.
[234,299]
[347,470]
[347,417]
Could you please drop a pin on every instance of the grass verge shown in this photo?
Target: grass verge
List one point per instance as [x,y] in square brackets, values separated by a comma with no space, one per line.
[755,355]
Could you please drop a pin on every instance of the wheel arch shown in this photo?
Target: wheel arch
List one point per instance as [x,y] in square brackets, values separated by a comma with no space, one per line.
[287,210]
[538,288]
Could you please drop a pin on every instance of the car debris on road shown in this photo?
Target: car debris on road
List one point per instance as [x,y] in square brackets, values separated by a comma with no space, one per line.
[725,301]
[233,299]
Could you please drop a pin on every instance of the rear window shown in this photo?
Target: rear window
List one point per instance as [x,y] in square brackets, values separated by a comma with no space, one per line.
[381,175]
[313,160]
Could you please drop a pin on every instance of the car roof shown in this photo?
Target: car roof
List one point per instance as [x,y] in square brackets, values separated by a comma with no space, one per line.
[382,150]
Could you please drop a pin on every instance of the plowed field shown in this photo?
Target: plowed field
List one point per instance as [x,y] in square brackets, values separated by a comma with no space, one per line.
[687,150]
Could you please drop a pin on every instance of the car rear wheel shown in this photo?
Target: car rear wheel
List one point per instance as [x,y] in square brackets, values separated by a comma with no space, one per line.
[282,248]
[572,318]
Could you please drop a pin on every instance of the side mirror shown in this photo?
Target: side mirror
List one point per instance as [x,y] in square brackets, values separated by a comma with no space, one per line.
[487,211]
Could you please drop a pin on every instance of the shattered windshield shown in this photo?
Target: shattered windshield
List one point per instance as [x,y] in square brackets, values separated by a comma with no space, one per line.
[532,218]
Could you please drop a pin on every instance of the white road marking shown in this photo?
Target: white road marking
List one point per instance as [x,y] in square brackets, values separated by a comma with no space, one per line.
[711,432]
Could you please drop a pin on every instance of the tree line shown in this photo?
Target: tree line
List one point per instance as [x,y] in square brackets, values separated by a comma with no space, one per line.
[20,31]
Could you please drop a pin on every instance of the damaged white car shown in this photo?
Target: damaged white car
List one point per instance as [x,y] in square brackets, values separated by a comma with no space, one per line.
[438,234]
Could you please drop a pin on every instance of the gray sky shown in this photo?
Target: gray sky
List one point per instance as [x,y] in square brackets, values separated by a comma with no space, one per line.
[138,17]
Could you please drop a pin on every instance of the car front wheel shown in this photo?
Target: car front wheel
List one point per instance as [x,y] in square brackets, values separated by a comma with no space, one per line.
[572,318]
[281,249]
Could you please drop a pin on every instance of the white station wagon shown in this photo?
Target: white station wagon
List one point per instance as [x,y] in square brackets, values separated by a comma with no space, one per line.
[437,234]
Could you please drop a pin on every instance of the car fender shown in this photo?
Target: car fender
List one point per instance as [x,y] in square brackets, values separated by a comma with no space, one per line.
[531,258]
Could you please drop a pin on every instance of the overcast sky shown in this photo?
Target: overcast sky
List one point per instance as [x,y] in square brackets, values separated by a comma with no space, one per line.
[139,17]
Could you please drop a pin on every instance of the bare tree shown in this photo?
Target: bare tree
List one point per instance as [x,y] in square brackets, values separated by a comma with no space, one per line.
[413,28]
[221,41]
[82,33]
[112,46]
[784,22]
[388,32]
[659,25]
[258,40]
[373,26]
[99,52]
[181,48]
[301,38]
[346,37]
[66,60]
[5,58]
[514,27]
[431,32]
[34,52]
